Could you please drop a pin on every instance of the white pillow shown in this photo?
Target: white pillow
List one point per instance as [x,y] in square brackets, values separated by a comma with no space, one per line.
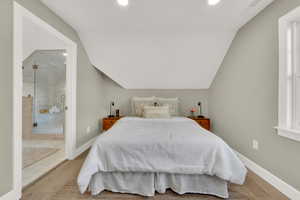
[138,103]
[171,102]
[156,112]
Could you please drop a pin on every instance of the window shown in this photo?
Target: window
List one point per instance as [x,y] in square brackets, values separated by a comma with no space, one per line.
[295,78]
[289,75]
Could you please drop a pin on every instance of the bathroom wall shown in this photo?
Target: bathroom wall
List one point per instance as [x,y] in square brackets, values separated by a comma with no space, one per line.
[47,96]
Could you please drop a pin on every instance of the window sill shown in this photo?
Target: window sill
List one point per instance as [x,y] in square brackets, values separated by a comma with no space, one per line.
[289,133]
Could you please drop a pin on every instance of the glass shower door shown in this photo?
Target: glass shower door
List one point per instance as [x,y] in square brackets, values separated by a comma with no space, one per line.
[49,76]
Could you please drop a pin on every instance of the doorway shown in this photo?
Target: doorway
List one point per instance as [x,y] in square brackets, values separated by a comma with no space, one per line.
[43,111]
[51,118]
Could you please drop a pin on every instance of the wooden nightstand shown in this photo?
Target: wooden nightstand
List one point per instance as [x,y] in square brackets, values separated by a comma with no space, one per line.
[108,122]
[204,122]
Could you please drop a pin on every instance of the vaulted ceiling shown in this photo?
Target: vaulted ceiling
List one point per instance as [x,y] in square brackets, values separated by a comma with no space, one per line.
[45,50]
[157,44]
[37,38]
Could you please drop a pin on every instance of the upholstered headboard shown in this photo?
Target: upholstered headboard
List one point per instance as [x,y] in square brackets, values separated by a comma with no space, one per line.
[138,103]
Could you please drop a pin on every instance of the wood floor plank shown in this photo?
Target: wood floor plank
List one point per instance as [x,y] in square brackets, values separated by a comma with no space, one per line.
[60,184]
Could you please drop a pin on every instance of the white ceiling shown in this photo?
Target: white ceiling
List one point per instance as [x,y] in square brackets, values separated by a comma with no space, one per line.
[46,50]
[169,44]
[37,38]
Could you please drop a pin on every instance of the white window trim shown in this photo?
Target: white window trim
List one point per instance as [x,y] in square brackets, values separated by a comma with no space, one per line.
[286,99]
[289,133]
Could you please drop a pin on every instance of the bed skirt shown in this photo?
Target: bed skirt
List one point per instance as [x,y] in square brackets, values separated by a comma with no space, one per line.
[146,184]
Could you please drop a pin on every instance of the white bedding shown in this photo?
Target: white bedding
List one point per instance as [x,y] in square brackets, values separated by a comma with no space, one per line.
[175,146]
[146,184]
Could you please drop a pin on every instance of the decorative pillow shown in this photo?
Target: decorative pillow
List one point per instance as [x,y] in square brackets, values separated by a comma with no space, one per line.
[156,112]
[171,102]
[138,103]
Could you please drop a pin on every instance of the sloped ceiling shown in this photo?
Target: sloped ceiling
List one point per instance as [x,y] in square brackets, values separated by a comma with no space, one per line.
[37,38]
[157,44]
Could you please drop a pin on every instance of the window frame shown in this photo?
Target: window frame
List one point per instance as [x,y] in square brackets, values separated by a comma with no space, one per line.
[287,124]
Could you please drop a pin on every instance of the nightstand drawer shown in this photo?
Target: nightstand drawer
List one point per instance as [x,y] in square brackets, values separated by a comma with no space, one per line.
[107,123]
[107,126]
[205,123]
[110,122]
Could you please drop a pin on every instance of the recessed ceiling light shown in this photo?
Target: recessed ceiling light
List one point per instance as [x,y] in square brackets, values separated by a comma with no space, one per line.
[213,2]
[65,54]
[123,2]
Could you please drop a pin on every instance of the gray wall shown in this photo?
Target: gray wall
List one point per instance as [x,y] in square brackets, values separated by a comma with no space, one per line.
[243,102]
[6,96]
[90,97]
[122,97]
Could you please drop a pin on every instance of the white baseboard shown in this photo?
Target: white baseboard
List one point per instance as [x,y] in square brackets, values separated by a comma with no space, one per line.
[9,196]
[83,148]
[276,182]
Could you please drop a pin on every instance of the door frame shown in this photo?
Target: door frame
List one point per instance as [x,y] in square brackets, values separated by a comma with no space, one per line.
[71,87]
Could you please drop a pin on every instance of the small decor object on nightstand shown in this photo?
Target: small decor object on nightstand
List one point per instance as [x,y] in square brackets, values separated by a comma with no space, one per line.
[117,113]
[112,104]
[200,110]
[193,110]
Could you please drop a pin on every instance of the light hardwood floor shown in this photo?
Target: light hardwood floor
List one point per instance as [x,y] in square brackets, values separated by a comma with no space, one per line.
[60,184]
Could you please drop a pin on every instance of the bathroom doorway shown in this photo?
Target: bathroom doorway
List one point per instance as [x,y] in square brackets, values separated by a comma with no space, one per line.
[44,81]
[45,62]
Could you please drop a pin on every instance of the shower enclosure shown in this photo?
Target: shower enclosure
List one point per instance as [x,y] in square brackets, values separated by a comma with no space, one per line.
[44,77]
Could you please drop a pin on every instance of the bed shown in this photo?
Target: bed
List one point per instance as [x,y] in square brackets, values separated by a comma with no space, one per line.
[143,156]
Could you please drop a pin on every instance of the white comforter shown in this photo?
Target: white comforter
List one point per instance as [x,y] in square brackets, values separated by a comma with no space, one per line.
[177,145]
